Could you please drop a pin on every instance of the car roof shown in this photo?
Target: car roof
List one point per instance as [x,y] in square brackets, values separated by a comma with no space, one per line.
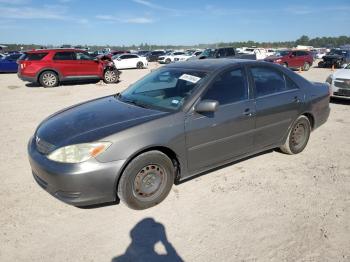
[209,64]
[55,49]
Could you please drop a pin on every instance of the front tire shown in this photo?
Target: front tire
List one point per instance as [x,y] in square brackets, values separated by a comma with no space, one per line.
[48,79]
[110,76]
[298,136]
[139,65]
[167,61]
[147,180]
[306,66]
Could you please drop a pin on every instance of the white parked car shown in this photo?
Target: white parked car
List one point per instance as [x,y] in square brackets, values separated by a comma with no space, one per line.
[260,53]
[124,61]
[186,56]
[166,59]
[340,83]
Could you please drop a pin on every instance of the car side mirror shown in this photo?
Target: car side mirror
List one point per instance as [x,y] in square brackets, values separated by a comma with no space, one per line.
[206,106]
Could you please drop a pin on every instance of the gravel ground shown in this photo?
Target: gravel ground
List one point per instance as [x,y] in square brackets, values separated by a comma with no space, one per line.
[272,207]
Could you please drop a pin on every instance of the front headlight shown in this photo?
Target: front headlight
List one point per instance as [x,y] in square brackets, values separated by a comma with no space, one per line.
[329,79]
[78,153]
[278,60]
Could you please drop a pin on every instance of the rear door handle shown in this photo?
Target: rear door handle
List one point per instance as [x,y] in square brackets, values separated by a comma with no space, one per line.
[247,112]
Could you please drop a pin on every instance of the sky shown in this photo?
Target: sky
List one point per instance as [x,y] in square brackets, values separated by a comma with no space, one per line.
[178,22]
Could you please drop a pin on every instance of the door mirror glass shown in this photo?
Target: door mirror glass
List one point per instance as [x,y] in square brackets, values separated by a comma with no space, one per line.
[207,106]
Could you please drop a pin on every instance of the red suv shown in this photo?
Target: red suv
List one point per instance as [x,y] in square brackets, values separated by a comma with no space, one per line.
[49,67]
[292,58]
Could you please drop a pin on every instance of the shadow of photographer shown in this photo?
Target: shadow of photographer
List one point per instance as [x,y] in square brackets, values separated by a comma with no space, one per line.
[145,235]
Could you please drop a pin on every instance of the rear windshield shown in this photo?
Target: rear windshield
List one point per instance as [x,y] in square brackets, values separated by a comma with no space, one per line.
[33,56]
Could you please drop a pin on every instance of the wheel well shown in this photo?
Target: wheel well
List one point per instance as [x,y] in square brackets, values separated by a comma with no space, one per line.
[165,150]
[311,119]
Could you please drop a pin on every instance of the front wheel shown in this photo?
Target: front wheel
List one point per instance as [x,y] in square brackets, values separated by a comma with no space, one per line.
[110,76]
[306,66]
[139,65]
[147,180]
[298,136]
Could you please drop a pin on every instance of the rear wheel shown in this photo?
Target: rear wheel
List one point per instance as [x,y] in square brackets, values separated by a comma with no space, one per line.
[147,180]
[298,136]
[139,65]
[48,79]
[110,76]
[306,66]
[167,61]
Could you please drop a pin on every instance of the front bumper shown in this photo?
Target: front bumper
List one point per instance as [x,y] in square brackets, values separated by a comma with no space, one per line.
[82,184]
[343,93]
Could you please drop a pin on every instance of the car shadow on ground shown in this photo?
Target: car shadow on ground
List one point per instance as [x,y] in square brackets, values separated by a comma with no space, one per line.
[144,237]
[82,82]
[340,101]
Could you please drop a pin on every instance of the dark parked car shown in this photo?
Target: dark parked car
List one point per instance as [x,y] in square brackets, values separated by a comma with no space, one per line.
[154,55]
[292,59]
[178,121]
[336,58]
[49,67]
[8,64]
[216,53]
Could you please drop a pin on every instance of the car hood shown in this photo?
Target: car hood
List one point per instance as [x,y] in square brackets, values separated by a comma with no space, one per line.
[332,57]
[93,120]
[273,57]
[342,73]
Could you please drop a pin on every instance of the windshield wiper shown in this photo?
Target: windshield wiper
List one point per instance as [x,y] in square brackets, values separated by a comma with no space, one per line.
[131,101]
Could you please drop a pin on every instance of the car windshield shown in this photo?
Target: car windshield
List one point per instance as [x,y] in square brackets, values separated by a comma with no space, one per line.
[165,89]
[281,53]
[337,52]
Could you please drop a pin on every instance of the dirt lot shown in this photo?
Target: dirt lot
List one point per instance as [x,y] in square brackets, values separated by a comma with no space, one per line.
[272,207]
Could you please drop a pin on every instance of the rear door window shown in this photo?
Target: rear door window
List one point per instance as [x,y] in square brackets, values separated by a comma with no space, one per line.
[64,56]
[270,81]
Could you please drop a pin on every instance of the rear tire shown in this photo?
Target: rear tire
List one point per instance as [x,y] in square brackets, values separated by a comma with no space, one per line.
[48,79]
[298,136]
[147,180]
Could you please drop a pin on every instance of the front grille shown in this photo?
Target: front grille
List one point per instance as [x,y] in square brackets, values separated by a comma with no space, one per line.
[342,83]
[43,146]
[342,92]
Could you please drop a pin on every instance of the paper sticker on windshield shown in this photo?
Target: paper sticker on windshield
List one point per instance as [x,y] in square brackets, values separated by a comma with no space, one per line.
[190,78]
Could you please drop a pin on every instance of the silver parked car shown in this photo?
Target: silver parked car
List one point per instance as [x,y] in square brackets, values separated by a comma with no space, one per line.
[176,122]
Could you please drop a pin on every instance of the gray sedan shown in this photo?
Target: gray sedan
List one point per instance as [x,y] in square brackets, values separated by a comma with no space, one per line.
[178,121]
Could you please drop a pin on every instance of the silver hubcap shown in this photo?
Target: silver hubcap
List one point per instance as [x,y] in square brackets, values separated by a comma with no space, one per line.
[299,135]
[139,65]
[110,76]
[49,79]
[306,66]
[149,182]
